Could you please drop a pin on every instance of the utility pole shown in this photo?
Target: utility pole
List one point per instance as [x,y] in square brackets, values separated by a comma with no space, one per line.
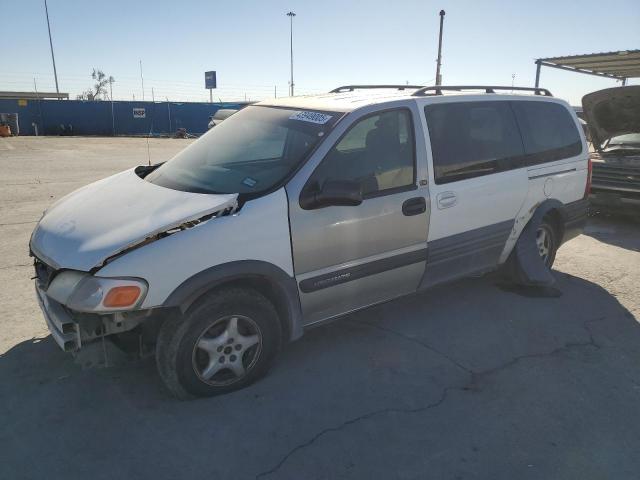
[113,118]
[35,125]
[142,80]
[439,64]
[291,15]
[53,58]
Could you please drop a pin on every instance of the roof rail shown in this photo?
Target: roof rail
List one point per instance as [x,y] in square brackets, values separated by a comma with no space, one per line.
[487,88]
[351,88]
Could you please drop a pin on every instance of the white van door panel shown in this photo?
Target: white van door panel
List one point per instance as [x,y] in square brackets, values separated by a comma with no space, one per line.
[476,202]
[478,182]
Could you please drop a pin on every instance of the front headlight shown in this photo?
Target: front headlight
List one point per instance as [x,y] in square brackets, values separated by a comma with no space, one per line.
[86,293]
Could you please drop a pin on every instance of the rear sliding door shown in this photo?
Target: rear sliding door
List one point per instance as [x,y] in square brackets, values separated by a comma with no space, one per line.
[478,184]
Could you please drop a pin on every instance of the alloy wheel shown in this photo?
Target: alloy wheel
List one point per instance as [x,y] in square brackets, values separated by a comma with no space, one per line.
[227,350]
[544,242]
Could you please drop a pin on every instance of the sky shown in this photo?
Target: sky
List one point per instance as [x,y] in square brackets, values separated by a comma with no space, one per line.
[335,43]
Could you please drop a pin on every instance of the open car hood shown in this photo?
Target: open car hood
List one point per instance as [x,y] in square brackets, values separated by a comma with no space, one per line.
[120,212]
[612,112]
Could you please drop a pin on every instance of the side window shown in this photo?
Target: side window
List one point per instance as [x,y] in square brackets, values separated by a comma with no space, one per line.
[378,151]
[471,139]
[548,131]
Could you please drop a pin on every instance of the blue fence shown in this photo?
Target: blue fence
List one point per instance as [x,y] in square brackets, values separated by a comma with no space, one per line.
[77,117]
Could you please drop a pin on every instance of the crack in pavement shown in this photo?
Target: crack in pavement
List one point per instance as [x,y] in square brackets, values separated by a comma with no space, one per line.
[351,421]
[474,377]
[417,341]
[17,265]
[17,223]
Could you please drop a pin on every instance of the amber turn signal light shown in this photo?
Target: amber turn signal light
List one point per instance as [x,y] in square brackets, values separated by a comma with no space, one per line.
[119,297]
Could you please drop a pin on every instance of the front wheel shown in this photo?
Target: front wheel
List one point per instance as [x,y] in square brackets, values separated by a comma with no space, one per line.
[226,341]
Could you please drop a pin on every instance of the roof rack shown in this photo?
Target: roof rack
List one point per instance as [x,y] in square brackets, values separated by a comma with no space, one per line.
[487,88]
[351,88]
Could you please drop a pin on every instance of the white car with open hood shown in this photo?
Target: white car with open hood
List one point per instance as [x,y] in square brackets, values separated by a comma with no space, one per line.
[296,211]
[613,118]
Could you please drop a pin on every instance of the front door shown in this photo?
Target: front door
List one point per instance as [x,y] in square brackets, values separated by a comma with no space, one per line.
[348,257]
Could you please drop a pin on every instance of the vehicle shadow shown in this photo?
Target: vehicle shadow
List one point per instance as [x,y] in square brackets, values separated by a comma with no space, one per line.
[463,381]
[619,231]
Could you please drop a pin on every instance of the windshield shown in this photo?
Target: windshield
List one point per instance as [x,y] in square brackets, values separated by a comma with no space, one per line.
[628,140]
[222,114]
[250,152]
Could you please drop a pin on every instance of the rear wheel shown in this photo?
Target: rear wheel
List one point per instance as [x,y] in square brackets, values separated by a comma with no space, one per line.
[522,268]
[226,341]
[547,242]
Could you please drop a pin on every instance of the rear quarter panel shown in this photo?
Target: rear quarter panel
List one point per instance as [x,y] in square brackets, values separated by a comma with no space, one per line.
[563,180]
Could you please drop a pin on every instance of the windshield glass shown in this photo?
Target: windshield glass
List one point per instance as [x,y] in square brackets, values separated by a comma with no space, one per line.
[630,139]
[250,152]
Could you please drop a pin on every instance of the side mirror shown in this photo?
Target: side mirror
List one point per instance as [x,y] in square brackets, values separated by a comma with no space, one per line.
[339,193]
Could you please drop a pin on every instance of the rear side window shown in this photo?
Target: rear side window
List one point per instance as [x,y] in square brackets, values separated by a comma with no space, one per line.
[548,131]
[471,139]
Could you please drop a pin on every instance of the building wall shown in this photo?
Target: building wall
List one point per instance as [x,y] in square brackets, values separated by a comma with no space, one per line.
[95,118]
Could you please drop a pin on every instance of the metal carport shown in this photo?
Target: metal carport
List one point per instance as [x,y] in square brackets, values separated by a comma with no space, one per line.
[620,65]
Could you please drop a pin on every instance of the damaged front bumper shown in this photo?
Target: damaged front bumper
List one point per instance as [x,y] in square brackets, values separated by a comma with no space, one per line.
[64,329]
[72,330]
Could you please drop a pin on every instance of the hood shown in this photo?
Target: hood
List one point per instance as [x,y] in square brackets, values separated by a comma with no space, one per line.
[612,112]
[86,227]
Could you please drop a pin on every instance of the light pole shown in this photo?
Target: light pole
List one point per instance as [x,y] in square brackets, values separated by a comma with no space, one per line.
[291,15]
[53,59]
[438,76]
[142,80]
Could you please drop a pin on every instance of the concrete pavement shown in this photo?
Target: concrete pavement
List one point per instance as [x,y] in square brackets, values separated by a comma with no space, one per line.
[467,381]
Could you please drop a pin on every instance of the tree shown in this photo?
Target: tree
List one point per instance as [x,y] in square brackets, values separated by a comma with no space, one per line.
[99,88]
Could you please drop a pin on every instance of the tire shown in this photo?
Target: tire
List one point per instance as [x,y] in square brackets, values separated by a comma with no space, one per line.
[547,241]
[206,352]
[519,269]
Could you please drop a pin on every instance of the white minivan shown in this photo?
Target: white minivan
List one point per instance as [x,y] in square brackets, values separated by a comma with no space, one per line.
[296,211]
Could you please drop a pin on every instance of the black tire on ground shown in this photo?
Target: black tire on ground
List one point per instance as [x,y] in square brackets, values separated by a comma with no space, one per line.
[179,361]
[550,230]
[513,270]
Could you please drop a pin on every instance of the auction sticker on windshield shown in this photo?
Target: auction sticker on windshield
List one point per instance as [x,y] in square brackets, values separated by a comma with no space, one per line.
[313,117]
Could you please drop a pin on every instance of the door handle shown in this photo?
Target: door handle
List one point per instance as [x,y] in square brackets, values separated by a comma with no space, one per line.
[446,199]
[414,206]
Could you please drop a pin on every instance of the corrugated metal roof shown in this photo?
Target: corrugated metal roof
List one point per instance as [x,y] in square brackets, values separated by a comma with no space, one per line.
[621,64]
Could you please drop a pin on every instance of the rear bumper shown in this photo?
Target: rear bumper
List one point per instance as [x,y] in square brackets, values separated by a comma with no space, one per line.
[575,218]
[616,201]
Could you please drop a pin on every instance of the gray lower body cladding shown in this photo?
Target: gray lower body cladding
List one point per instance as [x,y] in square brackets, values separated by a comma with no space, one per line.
[465,253]
[360,271]
[446,259]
